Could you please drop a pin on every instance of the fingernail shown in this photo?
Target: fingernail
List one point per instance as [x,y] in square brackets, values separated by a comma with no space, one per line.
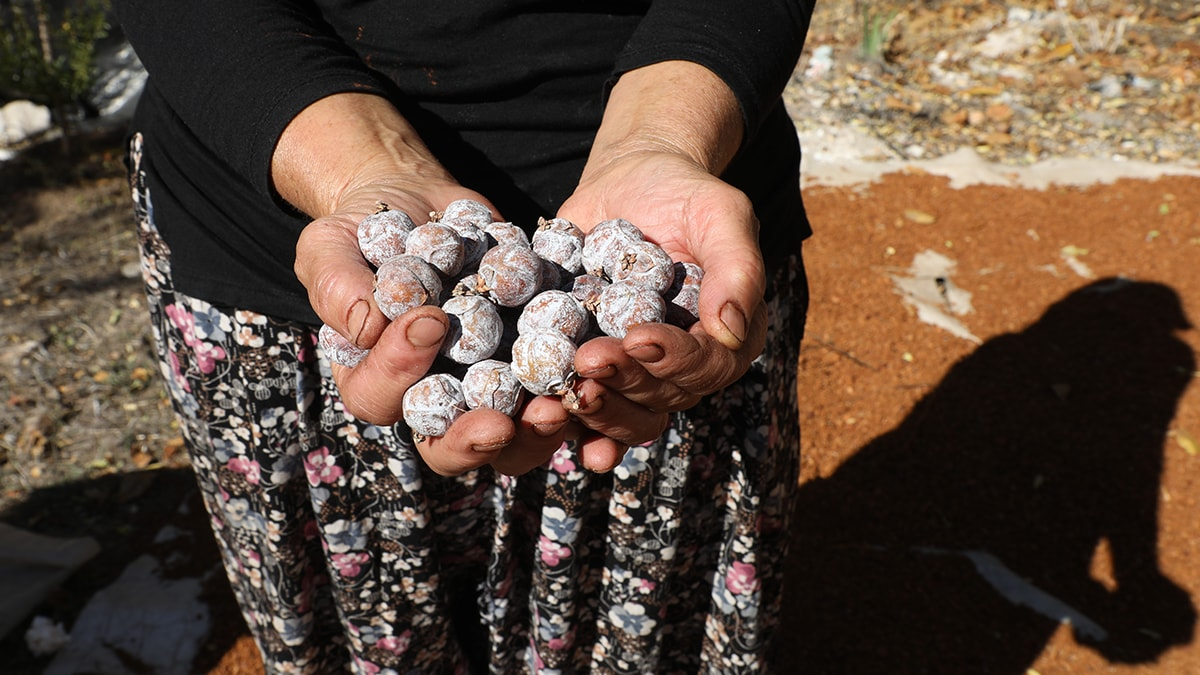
[647,353]
[548,428]
[425,332]
[583,405]
[734,320]
[598,373]
[488,448]
[357,321]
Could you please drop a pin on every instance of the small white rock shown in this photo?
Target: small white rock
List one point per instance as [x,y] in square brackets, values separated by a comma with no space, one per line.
[20,120]
[45,637]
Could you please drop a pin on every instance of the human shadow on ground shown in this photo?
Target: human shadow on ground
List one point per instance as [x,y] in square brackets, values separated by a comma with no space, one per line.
[1035,451]
[128,514]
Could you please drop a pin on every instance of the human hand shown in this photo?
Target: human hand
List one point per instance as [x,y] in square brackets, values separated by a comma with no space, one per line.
[658,368]
[401,352]
[669,130]
[337,161]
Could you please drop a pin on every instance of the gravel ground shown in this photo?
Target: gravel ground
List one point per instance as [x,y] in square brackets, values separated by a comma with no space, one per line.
[1019,82]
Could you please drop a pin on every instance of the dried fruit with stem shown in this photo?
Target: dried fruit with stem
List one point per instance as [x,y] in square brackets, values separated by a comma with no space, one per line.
[382,234]
[465,209]
[600,241]
[491,383]
[475,329]
[544,362]
[403,282]
[511,274]
[642,262]
[554,310]
[561,242]
[432,404]
[624,304]
[439,245]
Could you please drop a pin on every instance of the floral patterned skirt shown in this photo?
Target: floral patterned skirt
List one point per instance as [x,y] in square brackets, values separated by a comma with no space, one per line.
[347,554]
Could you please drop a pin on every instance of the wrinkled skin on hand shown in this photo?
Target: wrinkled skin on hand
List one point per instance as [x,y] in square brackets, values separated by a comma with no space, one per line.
[658,368]
[340,285]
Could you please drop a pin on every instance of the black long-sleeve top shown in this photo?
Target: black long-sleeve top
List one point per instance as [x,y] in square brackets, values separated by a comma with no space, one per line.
[507,94]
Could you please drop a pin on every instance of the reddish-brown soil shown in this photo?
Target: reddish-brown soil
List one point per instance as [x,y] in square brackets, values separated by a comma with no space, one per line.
[1064,445]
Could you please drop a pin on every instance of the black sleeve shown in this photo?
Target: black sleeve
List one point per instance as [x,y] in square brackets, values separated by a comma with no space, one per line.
[237,71]
[752,45]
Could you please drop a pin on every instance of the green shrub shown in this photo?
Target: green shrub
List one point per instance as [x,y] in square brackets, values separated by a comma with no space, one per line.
[50,58]
[875,25]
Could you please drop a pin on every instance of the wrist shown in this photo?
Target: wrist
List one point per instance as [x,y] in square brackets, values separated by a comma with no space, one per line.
[345,141]
[675,107]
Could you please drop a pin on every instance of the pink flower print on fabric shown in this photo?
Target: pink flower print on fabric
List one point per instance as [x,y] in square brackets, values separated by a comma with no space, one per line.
[396,644]
[321,467]
[247,467]
[552,553]
[741,578]
[561,461]
[207,354]
[366,667]
[349,565]
[177,373]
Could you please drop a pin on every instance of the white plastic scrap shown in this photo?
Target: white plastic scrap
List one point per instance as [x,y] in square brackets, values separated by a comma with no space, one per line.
[45,636]
[1022,593]
[1070,255]
[937,299]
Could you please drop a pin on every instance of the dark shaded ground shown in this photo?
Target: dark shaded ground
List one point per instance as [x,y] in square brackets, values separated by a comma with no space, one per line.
[1037,448]
[125,512]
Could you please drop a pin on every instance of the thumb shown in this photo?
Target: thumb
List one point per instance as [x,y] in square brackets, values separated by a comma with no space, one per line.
[339,282]
[734,282]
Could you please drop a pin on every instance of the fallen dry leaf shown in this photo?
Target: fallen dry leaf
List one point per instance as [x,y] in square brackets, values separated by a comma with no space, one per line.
[999,112]
[36,431]
[996,138]
[1060,52]
[172,448]
[983,90]
[956,118]
[1187,442]
[919,217]
[139,456]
